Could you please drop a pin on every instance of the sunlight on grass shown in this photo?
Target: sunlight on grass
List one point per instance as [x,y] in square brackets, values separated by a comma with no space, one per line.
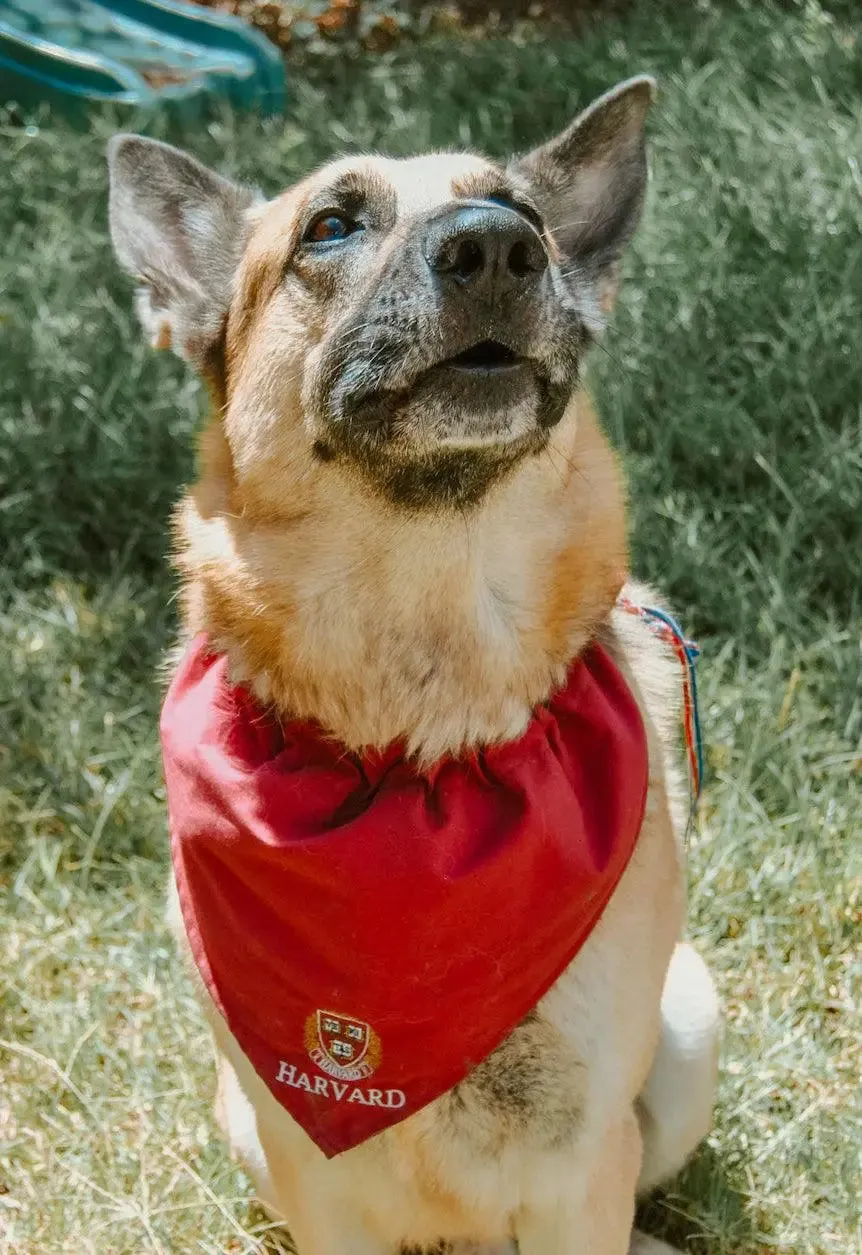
[732,382]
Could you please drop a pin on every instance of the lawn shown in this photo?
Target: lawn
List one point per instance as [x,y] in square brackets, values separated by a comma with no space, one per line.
[732,382]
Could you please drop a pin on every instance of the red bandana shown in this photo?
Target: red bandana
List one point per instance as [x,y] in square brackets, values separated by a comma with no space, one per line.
[371,932]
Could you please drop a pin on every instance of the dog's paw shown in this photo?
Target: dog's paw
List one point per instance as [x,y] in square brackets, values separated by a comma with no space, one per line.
[484,1248]
[464,1248]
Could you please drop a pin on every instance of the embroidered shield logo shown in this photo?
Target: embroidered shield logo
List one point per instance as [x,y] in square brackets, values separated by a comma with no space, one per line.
[341,1045]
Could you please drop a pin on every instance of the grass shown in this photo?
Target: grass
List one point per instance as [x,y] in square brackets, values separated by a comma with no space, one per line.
[732,382]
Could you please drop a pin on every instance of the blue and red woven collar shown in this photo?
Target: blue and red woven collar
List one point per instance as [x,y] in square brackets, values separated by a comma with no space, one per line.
[666,627]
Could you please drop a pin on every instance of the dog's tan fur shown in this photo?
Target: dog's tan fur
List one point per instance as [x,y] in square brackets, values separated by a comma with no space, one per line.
[445,628]
[300,582]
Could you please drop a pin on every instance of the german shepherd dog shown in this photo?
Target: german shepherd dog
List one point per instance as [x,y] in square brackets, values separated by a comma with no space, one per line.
[407,528]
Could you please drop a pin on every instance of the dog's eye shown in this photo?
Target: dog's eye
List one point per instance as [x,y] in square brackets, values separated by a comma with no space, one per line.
[329,228]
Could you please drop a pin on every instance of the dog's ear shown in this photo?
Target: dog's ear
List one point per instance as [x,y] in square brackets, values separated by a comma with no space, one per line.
[589,183]
[180,229]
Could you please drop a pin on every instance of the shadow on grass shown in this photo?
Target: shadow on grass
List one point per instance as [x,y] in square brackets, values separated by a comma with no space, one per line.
[704,1211]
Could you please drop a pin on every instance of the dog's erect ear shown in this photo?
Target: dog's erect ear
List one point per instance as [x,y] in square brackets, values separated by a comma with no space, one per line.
[589,183]
[180,229]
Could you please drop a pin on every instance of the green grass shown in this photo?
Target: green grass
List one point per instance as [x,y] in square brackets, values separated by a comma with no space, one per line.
[733,383]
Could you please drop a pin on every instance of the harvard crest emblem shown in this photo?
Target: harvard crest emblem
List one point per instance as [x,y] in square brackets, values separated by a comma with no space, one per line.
[342,1046]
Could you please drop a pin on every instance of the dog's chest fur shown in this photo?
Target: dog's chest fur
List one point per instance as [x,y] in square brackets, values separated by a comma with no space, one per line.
[443,632]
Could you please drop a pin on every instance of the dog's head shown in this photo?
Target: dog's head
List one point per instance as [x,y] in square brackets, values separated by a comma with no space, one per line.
[419,323]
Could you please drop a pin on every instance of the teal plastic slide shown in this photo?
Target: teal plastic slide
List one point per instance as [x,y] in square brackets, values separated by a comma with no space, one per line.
[135,53]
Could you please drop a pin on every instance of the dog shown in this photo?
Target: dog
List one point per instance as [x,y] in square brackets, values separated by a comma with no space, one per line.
[407,531]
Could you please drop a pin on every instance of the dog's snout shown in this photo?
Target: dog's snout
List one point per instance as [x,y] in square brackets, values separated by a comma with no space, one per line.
[483,247]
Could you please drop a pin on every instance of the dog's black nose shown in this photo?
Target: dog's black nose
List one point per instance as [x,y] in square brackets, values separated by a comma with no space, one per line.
[485,247]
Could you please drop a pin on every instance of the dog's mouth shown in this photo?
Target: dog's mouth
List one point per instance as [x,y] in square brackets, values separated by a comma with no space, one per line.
[442,426]
[485,375]
[486,357]
[486,372]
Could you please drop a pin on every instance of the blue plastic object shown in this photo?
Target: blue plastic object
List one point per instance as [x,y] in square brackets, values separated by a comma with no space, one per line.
[138,53]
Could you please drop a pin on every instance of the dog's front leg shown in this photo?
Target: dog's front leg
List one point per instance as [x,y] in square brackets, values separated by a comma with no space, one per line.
[335,1232]
[593,1217]
[321,1217]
